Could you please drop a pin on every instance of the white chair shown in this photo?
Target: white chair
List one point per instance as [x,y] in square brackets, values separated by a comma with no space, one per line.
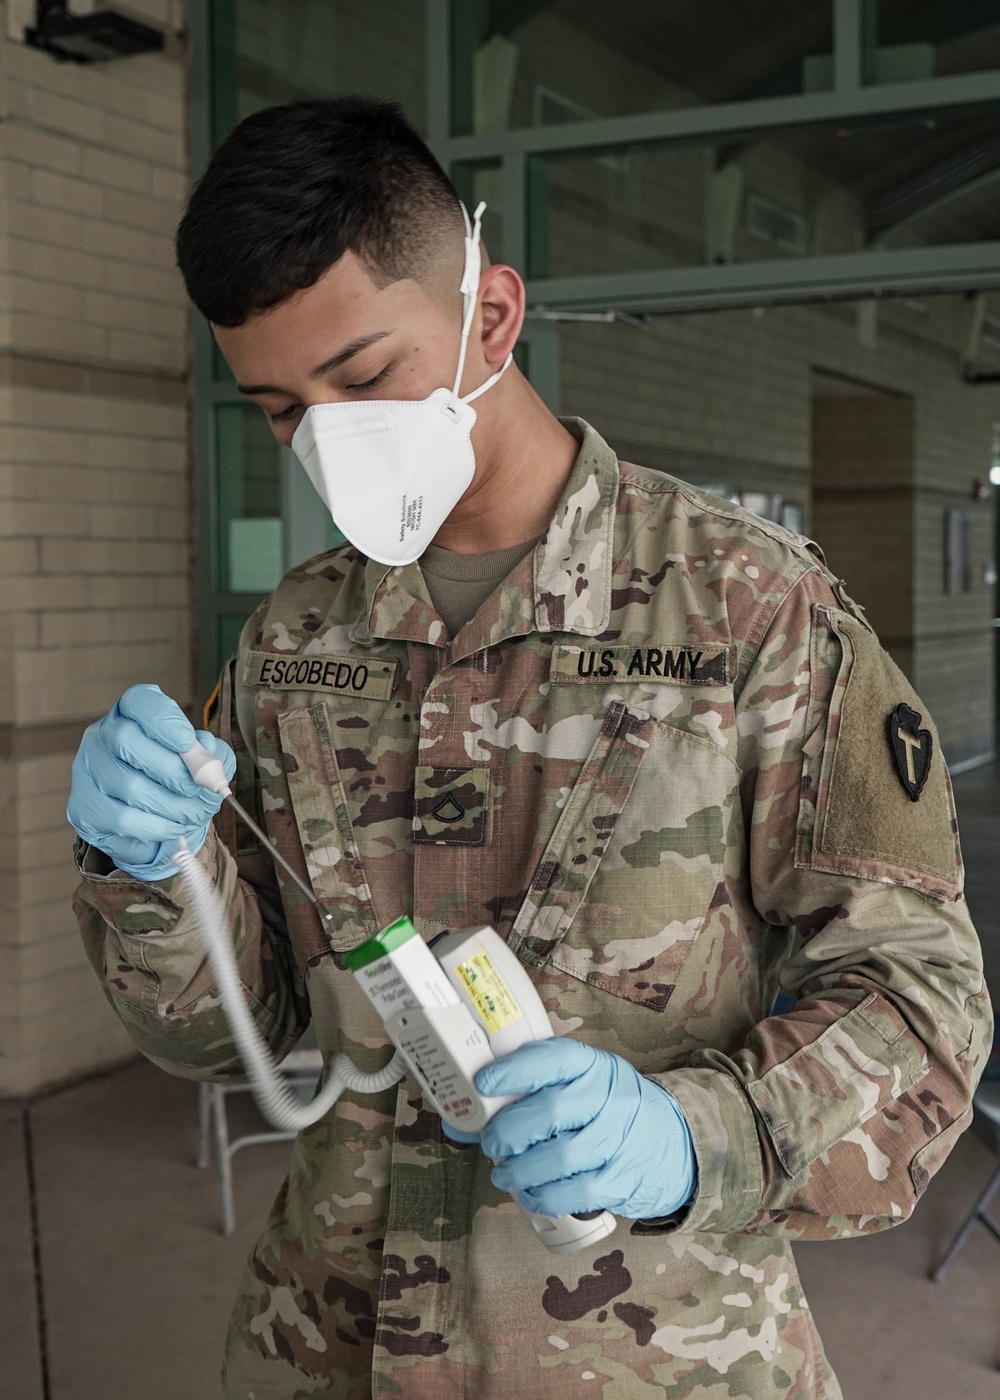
[302,1068]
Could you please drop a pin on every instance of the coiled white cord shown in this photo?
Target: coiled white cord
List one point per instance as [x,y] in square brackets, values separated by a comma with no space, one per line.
[275,1099]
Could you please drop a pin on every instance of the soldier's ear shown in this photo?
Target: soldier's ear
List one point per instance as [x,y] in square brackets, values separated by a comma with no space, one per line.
[501,309]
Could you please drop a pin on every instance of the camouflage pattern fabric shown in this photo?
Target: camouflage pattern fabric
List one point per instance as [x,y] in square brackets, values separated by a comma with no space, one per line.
[657,761]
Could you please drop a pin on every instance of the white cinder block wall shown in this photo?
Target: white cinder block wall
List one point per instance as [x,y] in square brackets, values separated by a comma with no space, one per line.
[95,487]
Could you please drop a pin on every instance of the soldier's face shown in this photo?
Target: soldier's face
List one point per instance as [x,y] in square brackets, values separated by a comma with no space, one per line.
[346,339]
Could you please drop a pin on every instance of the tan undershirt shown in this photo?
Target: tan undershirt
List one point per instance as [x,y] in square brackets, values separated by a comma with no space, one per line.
[459,584]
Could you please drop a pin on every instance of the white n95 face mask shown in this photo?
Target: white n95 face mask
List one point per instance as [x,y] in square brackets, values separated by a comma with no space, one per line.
[391,471]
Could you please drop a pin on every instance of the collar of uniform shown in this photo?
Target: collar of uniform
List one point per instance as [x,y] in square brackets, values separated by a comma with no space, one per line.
[564,586]
[573,564]
[398,607]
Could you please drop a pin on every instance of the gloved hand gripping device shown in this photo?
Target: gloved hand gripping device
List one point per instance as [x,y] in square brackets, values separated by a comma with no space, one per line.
[450,1008]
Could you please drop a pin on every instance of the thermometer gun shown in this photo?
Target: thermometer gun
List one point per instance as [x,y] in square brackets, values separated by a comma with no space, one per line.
[451,1007]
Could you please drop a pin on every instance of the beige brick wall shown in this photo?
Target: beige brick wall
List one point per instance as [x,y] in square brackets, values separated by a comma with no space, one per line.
[863,492]
[703,396]
[54,1022]
[95,489]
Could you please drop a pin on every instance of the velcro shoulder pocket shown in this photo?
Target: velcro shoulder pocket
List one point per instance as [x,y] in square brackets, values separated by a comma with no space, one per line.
[876,797]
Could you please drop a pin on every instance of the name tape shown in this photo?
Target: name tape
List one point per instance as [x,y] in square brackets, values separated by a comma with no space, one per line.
[336,675]
[668,665]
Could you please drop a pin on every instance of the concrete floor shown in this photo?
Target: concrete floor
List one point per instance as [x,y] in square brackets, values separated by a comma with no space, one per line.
[116,1281]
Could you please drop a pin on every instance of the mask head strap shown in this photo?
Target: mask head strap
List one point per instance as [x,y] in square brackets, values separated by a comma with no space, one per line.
[469,285]
[490,382]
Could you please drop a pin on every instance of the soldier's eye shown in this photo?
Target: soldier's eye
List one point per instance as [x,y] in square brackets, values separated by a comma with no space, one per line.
[371,383]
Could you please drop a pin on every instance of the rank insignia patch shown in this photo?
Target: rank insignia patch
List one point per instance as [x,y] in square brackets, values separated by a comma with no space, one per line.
[912,749]
[451,806]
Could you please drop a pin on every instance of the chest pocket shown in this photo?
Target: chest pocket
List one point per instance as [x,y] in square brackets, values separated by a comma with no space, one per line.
[629,876]
[322,819]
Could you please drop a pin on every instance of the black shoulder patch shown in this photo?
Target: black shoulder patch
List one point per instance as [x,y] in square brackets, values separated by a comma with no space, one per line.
[912,749]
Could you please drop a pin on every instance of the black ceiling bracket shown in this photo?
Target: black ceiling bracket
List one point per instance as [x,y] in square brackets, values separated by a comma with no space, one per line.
[92,38]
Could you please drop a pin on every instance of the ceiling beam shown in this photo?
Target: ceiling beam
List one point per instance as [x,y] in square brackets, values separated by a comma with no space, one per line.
[966,93]
[947,179]
[848,45]
[785,281]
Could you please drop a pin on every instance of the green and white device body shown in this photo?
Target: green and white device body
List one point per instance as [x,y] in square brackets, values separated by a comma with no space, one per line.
[451,1007]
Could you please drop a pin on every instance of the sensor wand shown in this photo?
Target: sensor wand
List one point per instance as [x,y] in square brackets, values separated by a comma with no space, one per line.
[208,772]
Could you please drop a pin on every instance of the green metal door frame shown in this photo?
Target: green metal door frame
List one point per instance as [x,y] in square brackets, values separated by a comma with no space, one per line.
[205,473]
[904,271]
[996,620]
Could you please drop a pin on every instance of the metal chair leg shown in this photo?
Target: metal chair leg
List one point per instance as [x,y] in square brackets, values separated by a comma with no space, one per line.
[204,1122]
[224,1158]
[977,1214]
[213,1123]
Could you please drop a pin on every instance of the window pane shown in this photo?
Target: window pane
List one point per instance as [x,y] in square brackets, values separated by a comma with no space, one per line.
[268,51]
[484,181]
[572,60]
[265,52]
[813,191]
[221,372]
[249,501]
[228,629]
[933,41]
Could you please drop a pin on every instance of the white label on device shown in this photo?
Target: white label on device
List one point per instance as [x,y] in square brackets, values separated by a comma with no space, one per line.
[386,987]
[408,976]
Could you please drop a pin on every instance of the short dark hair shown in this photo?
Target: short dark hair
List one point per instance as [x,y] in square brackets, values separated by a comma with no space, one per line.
[292,188]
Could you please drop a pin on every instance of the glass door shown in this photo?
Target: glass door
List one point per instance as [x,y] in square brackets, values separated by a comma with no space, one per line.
[257,511]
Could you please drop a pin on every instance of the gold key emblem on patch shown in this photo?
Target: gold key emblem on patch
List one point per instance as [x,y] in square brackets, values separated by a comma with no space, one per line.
[912,749]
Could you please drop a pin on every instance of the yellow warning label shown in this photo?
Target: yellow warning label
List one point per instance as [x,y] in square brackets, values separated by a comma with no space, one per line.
[489,993]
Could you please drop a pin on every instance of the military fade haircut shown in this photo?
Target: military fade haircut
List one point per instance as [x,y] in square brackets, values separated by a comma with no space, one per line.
[295,187]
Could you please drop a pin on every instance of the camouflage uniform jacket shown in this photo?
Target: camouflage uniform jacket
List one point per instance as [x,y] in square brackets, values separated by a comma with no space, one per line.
[659,760]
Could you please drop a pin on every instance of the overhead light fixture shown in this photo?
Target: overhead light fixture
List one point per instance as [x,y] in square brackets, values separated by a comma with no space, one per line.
[89,38]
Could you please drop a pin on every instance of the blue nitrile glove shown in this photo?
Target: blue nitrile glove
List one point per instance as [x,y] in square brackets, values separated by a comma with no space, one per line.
[592,1133]
[131,795]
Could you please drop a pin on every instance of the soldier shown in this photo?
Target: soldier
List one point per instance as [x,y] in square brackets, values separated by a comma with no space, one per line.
[645,735]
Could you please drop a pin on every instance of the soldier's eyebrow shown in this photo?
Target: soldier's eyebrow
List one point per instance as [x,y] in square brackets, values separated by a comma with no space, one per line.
[334,362]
